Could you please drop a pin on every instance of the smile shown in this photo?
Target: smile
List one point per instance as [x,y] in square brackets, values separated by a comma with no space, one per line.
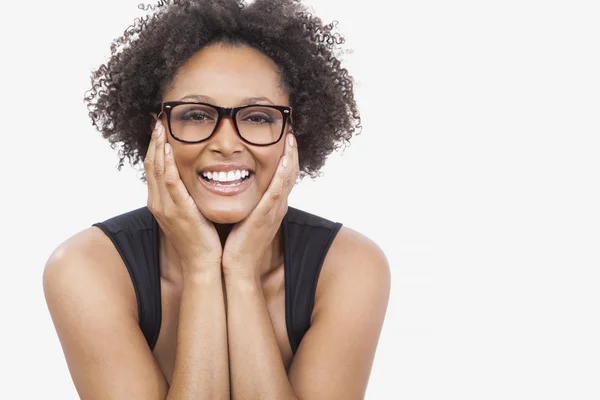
[226,184]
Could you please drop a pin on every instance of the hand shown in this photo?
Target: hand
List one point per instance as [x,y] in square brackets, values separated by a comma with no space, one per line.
[194,237]
[249,239]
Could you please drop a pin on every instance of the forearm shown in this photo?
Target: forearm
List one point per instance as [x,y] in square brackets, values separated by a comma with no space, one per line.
[257,369]
[201,361]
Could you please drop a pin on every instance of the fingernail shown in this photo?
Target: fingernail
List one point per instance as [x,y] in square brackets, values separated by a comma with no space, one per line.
[167,148]
[291,140]
[284,162]
[159,129]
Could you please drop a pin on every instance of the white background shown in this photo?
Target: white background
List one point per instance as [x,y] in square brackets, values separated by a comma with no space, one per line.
[477,173]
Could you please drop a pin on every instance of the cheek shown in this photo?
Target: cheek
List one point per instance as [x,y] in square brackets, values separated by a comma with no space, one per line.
[268,167]
[186,158]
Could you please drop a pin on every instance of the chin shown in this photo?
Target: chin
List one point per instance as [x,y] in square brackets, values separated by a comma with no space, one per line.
[224,214]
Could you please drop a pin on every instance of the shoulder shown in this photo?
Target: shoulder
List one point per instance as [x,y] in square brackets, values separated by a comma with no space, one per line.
[350,306]
[352,245]
[300,217]
[94,254]
[92,303]
[351,256]
[355,267]
[132,221]
[85,264]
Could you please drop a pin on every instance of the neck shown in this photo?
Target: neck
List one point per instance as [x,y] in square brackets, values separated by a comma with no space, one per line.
[223,230]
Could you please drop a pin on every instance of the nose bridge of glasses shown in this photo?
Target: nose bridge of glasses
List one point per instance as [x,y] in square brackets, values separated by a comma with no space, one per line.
[225,112]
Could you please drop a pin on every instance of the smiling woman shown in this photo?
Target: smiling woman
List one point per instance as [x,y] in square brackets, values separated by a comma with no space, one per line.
[217,288]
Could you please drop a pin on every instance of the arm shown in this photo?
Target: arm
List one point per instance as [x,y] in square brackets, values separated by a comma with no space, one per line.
[201,361]
[257,370]
[335,356]
[93,307]
[92,302]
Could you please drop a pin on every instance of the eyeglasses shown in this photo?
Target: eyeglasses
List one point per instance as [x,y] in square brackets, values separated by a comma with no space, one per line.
[256,124]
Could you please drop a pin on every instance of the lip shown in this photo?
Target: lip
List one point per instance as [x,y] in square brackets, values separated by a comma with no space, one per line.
[225,168]
[225,190]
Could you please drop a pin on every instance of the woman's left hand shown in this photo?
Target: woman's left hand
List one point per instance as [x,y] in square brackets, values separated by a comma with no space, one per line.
[250,239]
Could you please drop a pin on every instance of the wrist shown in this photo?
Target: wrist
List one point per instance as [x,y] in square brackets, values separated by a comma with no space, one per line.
[200,270]
[244,276]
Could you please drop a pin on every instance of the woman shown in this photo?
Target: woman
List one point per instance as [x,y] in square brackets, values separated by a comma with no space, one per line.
[218,289]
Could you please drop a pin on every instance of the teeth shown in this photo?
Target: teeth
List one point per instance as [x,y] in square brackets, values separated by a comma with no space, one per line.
[226,176]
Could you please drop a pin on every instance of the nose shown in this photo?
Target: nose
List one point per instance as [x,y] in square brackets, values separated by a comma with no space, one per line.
[225,139]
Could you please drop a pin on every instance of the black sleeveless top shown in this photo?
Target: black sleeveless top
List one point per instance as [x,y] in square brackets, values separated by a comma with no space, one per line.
[306,240]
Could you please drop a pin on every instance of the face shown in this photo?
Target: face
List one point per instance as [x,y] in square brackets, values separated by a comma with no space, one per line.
[227,76]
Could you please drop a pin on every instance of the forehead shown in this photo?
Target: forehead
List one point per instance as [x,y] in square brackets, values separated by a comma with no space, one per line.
[226,74]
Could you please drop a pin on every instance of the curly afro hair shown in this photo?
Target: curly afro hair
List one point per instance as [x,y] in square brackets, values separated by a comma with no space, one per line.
[144,62]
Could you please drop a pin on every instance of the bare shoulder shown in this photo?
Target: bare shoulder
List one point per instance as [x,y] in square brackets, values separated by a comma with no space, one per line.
[90,258]
[354,263]
[350,244]
[350,302]
[92,303]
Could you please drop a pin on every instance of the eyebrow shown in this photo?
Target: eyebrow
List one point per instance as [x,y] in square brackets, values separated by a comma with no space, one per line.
[197,97]
[244,101]
[250,100]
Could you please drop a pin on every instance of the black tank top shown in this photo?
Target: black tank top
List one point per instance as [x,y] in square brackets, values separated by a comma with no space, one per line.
[306,239]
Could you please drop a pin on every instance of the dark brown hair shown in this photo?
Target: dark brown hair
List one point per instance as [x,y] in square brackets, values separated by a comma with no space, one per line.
[145,59]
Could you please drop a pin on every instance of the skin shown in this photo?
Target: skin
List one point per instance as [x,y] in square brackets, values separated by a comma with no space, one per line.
[227,76]
[224,303]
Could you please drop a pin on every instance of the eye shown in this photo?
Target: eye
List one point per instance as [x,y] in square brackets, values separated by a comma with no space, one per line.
[196,115]
[193,113]
[258,118]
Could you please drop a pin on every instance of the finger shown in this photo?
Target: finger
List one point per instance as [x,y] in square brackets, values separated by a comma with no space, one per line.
[159,168]
[149,166]
[159,164]
[289,165]
[274,200]
[172,179]
[295,160]
[283,181]
[149,158]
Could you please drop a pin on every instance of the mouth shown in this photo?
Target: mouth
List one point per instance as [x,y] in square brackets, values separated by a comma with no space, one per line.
[226,183]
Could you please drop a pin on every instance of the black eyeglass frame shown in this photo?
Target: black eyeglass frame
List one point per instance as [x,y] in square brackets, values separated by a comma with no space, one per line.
[167,106]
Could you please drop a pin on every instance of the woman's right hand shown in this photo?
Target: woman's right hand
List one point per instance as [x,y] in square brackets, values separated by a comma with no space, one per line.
[194,237]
